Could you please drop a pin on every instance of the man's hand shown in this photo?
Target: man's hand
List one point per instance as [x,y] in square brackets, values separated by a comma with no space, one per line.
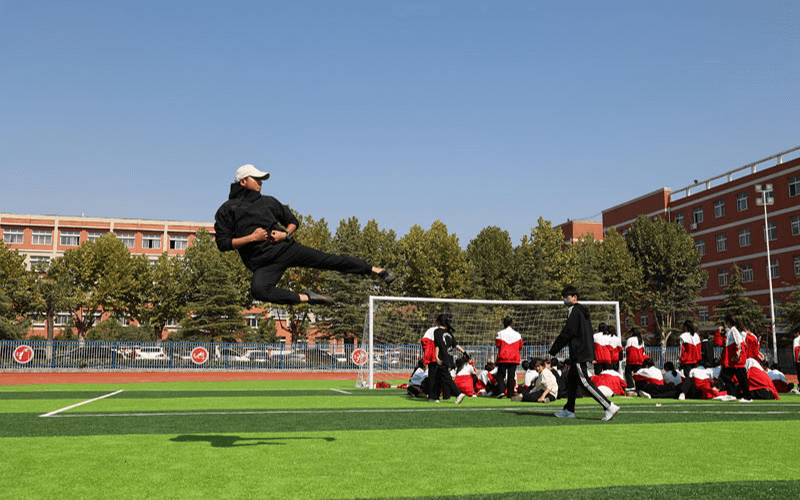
[259,234]
[276,235]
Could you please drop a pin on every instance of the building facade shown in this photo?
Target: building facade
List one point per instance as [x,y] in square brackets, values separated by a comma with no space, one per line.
[729,226]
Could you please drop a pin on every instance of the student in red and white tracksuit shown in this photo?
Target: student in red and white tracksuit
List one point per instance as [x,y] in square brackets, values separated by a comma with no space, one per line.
[465,376]
[634,355]
[611,380]
[698,385]
[761,386]
[429,355]
[602,350]
[690,348]
[509,345]
[752,345]
[779,379]
[650,382]
[734,358]
[614,346]
[796,351]
[487,383]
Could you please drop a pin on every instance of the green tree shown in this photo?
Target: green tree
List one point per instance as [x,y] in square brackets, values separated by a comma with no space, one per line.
[619,272]
[747,310]
[670,265]
[585,268]
[101,276]
[491,256]
[168,294]
[217,294]
[541,264]
[434,265]
[17,293]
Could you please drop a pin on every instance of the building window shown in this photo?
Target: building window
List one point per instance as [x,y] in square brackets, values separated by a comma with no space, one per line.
[795,225]
[700,245]
[722,277]
[774,269]
[719,208]
[151,241]
[797,265]
[643,320]
[178,242]
[62,319]
[41,237]
[127,238]
[70,238]
[744,237]
[93,235]
[747,273]
[679,219]
[702,314]
[722,242]
[11,236]
[40,262]
[628,322]
[697,212]
[253,320]
[772,231]
[794,186]
[741,202]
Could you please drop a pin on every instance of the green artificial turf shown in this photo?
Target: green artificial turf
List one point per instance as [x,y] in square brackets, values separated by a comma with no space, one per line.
[321,439]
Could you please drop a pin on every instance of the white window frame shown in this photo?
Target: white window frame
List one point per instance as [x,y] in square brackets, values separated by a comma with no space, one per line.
[13,236]
[697,214]
[741,202]
[178,241]
[795,225]
[747,273]
[700,245]
[722,242]
[679,219]
[151,241]
[744,237]
[129,239]
[772,230]
[42,237]
[702,314]
[39,262]
[69,238]
[722,277]
[93,235]
[774,269]
[794,186]
[719,209]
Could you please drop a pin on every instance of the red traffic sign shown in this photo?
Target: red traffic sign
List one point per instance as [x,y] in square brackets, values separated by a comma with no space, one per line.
[23,354]
[359,357]
[199,355]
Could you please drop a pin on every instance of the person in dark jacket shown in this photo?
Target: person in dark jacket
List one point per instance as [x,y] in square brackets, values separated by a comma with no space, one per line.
[579,336]
[260,228]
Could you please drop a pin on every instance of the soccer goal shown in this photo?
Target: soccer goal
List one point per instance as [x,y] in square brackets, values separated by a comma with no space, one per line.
[394,326]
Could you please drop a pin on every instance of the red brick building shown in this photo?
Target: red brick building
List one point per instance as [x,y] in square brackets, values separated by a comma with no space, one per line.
[42,237]
[728,227]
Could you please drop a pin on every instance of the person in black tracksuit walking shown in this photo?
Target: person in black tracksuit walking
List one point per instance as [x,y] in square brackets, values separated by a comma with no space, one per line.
[578,334]
[260,228]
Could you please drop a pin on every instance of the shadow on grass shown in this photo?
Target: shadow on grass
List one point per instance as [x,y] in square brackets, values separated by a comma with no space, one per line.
[220,441]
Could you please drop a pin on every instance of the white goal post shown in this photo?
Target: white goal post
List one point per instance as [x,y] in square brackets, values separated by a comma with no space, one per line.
[394,327]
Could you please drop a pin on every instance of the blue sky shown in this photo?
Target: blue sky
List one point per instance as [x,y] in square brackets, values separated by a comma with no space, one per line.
[474,113]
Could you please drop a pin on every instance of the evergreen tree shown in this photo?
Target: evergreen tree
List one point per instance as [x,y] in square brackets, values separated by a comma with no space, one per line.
[541,265]
[747,310]
[491,256]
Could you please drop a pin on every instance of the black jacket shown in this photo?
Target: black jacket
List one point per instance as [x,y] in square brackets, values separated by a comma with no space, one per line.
[578,334]
[244,212]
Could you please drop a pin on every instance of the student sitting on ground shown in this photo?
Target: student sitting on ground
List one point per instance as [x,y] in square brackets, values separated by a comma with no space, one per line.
[650,382]
[779,379]
[610,382]
[545,390]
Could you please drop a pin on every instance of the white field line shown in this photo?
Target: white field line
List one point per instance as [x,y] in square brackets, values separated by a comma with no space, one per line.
[54,413]
[411,410]
[341,391]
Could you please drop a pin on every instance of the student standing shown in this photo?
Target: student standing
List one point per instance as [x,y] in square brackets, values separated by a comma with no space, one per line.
[445,343]
[509,345]
[734,358]
[578,334]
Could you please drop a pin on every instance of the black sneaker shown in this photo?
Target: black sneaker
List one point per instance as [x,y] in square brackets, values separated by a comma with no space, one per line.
[316,298]
[387,276]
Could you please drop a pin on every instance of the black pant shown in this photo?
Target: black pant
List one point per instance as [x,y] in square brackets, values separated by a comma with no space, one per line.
[506,378]
[442,382]
[578,378]
[533,396]
[298,255]
[726,375]
[629,371]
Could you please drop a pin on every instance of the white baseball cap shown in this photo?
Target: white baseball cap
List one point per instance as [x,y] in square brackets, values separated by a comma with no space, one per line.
[246,171]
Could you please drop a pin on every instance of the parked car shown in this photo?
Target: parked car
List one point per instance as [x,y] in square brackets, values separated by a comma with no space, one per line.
[90,355]
[259,356]
[227,354]
[151,353]
[311,357]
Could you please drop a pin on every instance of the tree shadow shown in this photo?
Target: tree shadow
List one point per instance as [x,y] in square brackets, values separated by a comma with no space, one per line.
[220,441]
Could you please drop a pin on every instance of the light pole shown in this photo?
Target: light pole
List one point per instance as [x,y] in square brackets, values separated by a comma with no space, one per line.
[767,197]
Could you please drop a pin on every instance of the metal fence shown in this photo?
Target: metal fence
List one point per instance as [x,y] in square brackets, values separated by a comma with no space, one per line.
[40,355]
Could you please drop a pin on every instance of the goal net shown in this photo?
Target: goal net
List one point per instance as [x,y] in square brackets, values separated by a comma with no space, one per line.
[394,327]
